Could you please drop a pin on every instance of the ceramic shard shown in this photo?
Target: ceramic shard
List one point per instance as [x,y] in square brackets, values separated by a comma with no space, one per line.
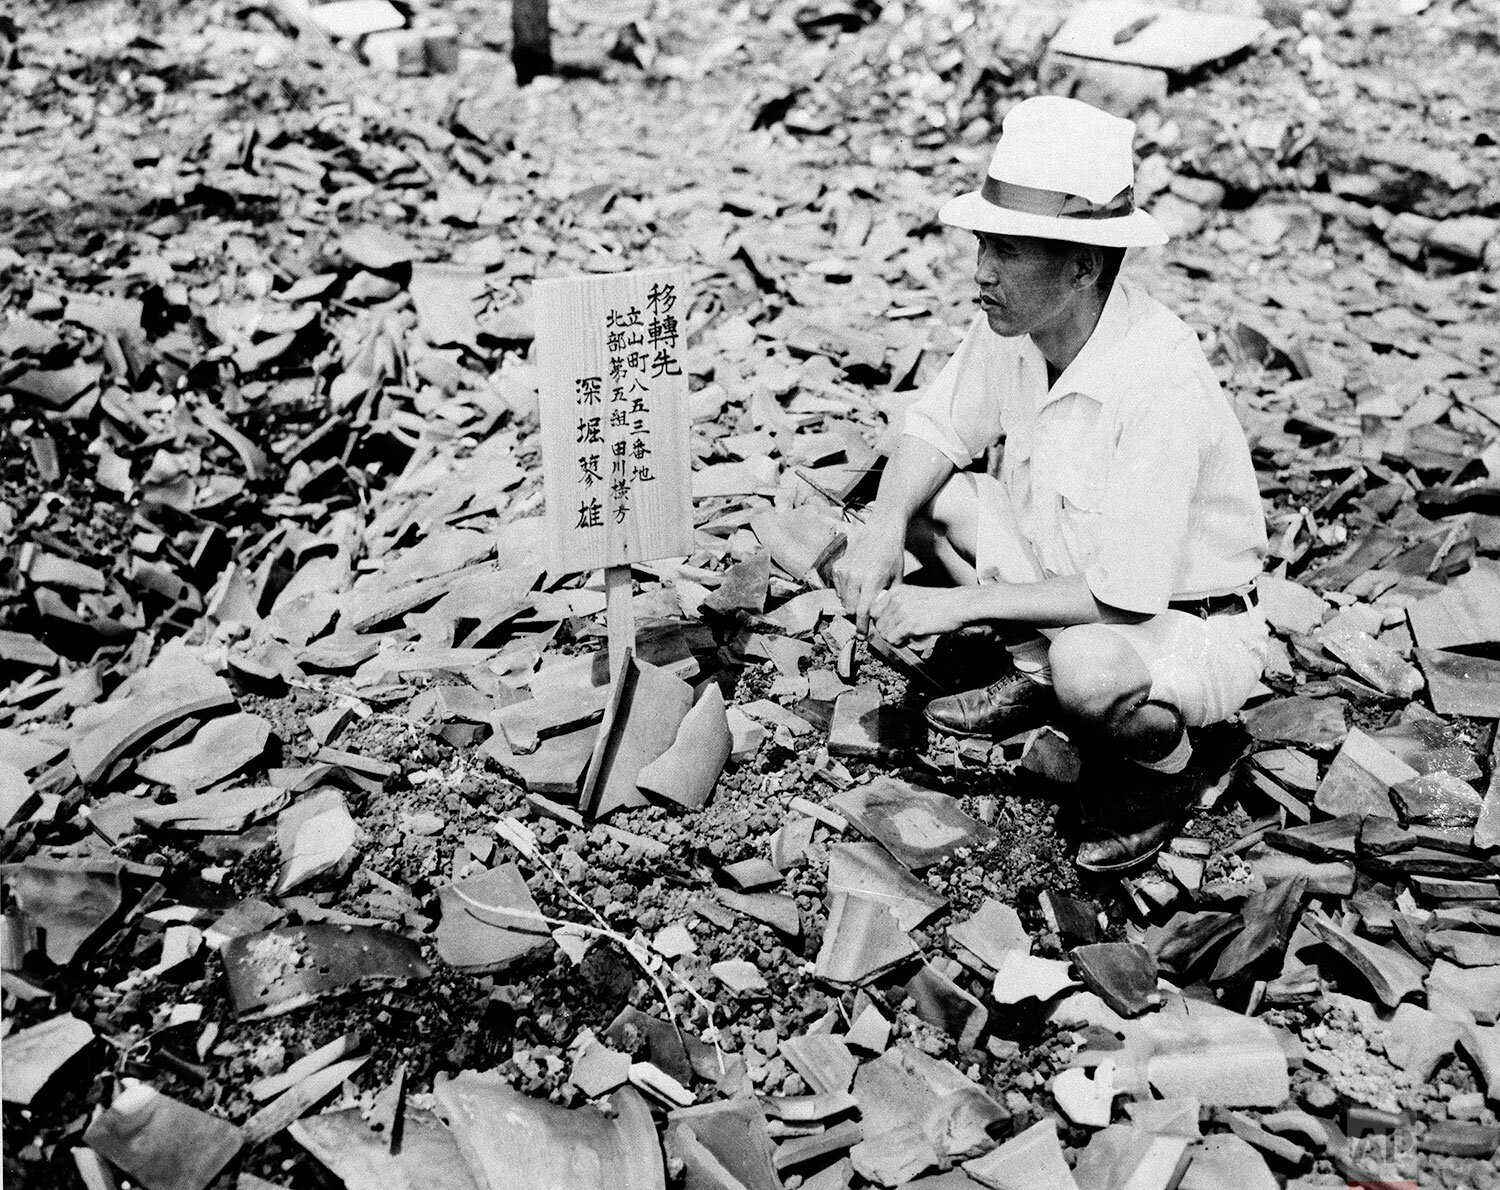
[686,772]
[1378,664]
[1022,976]
[1315,722]
[1225,1162]
[992,932]
[1187,939]
[918,826]
[31,1058]
[428,1157]
[864,727]
[647,705]
[1086,1099]
[1360,778]
[1125,1158]
[1459,684]
[823,1061]
[942,1003]
[862,940]
[597,1070]
[1391,975]
[68,901]
[221,811]
[1161,38]
[218,749]
[1418,1040]
[716,1141]
[174,687]
[867,870]
[317,835]
[489,921]
[514,1142]
[278,970]
[1209,1053]
[1030,1160]
[1122,974]
[777,910]
[524,725]
[1268,918]
[163,1144]
[555,769]
[297,1101]
[1465,612]
[1437,799]
[894,1157]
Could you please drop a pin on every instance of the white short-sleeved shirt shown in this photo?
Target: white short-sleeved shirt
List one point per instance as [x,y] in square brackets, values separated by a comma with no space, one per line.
[1131,469]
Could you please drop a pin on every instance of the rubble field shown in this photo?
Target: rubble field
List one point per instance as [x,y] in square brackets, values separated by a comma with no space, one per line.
[331,856]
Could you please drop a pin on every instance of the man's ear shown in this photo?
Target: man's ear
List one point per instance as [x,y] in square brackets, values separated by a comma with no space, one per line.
[1088,264]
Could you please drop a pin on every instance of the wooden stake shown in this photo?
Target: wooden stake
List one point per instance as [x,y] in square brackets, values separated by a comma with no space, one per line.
[531,39]
[620,616]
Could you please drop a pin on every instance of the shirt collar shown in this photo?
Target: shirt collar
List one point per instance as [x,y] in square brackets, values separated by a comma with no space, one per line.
[1092,372]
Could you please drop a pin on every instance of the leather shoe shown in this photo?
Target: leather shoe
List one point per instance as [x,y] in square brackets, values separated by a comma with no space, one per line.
[1107,850]
[1004,708]
[1139,824]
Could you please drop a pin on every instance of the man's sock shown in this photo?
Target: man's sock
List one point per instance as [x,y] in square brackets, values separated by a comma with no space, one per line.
[1031,658]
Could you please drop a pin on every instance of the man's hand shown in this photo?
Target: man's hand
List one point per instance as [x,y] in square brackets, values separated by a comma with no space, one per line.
[903,614]
[871,564]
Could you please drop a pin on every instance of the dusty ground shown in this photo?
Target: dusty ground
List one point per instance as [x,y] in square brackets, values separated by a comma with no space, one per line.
[120,122]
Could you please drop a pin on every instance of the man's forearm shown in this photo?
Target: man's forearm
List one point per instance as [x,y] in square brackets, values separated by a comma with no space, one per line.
[1052,603]
[913,475]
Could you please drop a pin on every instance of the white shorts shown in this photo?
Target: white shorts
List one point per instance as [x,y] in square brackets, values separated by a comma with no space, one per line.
[1205,667]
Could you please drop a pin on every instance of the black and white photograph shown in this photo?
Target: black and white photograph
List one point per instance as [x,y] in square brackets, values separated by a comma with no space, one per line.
[750,594]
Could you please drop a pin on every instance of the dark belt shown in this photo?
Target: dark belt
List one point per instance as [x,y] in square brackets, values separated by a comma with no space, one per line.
[1217,605]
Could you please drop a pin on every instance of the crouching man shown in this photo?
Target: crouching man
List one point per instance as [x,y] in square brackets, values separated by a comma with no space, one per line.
[1117,548]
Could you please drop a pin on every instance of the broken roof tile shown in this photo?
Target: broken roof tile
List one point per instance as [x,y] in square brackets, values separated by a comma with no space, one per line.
[219,748]
[489,921]
[1459,684]
[647,706]
[1030,1160]
[1360,778]
[861,941]
[867,870]
[993,930]
[428,1157]
[714,1139]
[918,826]
[175,686]
[316,835]
[162,1143]
[32,1057]
[1122,974]
[279,970]
[1390,974]
[68,901]
[686,773]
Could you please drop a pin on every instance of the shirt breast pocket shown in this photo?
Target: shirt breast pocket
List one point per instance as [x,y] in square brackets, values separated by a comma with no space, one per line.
[1079,515]
[1081,491]
[1069,452]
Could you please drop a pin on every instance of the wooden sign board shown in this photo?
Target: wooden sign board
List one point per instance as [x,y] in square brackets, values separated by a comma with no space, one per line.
[616,468]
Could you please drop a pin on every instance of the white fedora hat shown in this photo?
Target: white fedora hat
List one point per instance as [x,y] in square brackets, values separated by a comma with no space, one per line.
[1063,170]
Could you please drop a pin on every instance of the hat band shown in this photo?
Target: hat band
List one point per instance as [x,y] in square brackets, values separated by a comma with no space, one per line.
[1031,200]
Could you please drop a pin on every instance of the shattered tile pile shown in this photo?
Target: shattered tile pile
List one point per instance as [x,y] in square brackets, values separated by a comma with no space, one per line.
[330,851]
